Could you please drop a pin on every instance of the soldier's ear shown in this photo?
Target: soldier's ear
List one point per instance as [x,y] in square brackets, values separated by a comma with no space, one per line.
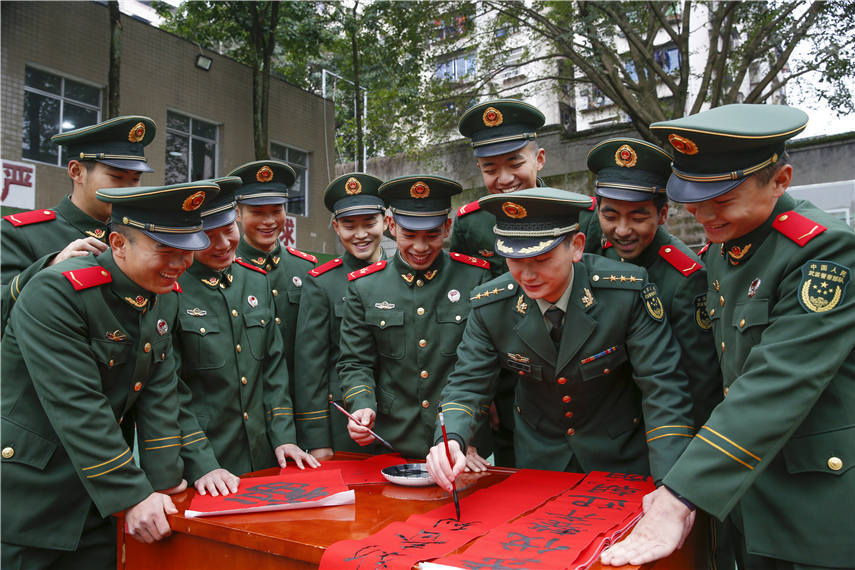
[118,244]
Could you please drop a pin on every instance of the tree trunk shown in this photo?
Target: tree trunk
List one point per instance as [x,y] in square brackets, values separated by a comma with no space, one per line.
[265,17]
[115,59]
[360,165]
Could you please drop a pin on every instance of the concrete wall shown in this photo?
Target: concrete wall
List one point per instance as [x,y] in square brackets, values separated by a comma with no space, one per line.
[159,74]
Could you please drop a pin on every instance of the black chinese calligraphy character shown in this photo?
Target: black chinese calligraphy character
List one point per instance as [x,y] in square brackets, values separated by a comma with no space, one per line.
[283,492]
[521,542]
[488,563]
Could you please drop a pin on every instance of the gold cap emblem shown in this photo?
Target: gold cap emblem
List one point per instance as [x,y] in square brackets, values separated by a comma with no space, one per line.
[682,144]
[419,190]
[625,156]
[513,210]
[492,117]
[137,133]
[353,186]
[264,174]
[193,202]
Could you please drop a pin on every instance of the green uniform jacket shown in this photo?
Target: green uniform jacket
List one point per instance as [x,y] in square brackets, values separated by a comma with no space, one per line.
[319,423]
[29,247]
[612,397]
[231,359]
[399,336]
[682,283]
[286,268]
[779,451]
[74,363]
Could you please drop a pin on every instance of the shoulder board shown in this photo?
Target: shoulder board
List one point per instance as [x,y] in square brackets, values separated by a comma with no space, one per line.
[608,244]
[321,269]
[620,279]
[469,260]
[300,254]
[704,249]
[243,263]
[31,217]
[368,270]
[493,291]
[468,208]
[679,260]
[177,288]
[797,227]
[593,204]
[88,277]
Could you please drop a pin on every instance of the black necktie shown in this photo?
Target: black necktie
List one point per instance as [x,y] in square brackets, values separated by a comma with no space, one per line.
[555,316]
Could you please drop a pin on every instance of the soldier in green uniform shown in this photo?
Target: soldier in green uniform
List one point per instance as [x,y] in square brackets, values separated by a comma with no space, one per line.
[88,342]
[599,385]
[632,208]
[775,459]
[261,213]
[231,357]
[106,155]
[359,223]
[403,319]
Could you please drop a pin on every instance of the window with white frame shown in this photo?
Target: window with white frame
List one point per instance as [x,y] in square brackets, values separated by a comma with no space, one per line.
[456,67]
[54,104]
[191,148]
[299,161]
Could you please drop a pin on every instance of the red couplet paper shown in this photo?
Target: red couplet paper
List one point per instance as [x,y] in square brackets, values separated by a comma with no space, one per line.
[363,471]
[436,533]
[569,531]
[291,489]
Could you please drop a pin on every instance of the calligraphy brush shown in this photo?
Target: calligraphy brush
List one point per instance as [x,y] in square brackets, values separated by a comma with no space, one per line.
[450,462]
[377,437]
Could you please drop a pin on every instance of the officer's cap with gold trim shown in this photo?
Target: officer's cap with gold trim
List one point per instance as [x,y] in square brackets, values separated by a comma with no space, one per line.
[118,142]
[628,169]
[532,222]
[354,194]
[220,210]
[714,151]
[264,182]
[170,215]
[419,201]
[500,126]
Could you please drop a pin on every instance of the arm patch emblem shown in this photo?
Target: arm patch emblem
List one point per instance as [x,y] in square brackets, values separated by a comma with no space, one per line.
[823,285]
[652,302]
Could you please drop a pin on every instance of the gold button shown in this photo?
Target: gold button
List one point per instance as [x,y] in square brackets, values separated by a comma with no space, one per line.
[424,374]
[741,323]
[111,363]
[834,463]
[419,282]
[510,286]
[566,399]
[606,371]
[562,380]
[202,330]
[521,373]
[420,311]
[425,404]
[667,250]
[726,390]
[243,380]
[104,273]
[238,348]
[635,421]
[571,431]
[457,318]
[147,347]
[163,356]
[222,285]
[278,321]
[712,312]
[422,343]
[137,386]
[7,453]
[234,312]
[382,323]
[595,278]
[262,321]
[568,414]
[783,218]
[267,267]
[275,292]
[245,416]
[721,300]
[722,346]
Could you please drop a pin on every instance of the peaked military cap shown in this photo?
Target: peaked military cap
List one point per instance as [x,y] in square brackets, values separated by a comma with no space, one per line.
[220,210]
[629,169]
[170,215]
[500,126]
[717,149]
[532,222]
[419,201]
[118,142]
[264,182]
[354,194]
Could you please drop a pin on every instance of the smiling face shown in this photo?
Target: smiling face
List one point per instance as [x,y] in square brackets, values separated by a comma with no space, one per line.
[262,224]
[546,276]
[151,265]
[419,248]
[221,253]
[743,209]
[630,226]
[513,171]
[89,176]
[360,235]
